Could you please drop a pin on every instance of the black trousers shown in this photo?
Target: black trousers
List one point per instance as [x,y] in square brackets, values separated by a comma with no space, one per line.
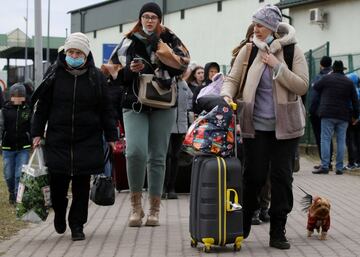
[264,154]
[353,143]
[172,158]
[80,186]
[265,194]
[316,126]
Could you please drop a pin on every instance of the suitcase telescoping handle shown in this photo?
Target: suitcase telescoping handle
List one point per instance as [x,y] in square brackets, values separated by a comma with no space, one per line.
[233,106]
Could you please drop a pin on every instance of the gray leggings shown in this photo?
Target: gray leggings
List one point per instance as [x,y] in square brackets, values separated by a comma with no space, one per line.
[147,139]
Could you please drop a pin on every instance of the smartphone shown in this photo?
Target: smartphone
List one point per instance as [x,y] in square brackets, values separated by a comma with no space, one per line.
[137,60]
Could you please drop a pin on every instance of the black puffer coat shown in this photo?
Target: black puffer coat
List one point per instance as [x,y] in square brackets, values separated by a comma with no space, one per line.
[78,111]
[16,127]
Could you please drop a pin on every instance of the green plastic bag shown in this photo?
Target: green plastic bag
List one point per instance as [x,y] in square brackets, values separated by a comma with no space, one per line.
[33,197]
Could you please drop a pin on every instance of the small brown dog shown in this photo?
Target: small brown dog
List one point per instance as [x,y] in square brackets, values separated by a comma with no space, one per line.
[318,209]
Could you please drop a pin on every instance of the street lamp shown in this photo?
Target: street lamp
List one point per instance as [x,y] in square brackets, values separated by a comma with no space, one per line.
[26,40]
[38,44]
[48,36]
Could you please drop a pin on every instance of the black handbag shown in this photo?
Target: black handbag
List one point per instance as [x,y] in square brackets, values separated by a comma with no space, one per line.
[102,191]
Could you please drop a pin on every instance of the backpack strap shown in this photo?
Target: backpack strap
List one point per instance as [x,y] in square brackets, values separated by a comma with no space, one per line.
[288,52]
[46,84]
[249,58]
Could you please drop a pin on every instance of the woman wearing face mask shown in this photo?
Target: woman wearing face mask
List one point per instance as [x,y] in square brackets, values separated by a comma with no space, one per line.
[272,118]
[73,101]
[147,129]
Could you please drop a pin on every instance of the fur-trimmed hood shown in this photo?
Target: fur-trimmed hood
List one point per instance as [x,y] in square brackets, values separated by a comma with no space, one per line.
[286,34]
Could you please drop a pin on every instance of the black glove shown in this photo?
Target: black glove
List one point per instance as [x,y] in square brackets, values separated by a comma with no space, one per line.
[154,40]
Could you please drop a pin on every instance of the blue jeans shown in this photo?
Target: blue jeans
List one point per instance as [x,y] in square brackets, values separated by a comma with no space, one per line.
[13,161]
[328,127]
[108,166]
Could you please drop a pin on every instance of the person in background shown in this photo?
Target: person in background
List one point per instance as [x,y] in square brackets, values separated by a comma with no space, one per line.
[73,101]
[264,198]
[210,70]
[325,69]
[15,136]
[29,86]
[339,104]
[147,129]
[353,132]
[179,129]
[196,78]
[248,38]
[270,128]
[2,99]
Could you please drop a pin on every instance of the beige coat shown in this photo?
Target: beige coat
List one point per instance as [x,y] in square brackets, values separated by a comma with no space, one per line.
[288,86]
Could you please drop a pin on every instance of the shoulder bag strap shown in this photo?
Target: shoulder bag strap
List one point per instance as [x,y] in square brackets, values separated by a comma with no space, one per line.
[249,47]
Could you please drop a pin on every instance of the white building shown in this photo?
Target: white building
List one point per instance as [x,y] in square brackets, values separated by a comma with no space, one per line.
[211,29]
[316,22]
[333,21]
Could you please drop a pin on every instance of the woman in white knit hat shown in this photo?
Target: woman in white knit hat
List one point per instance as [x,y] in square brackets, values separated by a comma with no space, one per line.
[73,101]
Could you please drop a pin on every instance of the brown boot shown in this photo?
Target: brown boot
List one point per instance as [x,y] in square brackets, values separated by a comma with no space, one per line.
[137,212]
[153,216]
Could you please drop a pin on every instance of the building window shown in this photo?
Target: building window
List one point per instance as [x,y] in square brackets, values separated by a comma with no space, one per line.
[219,6]
[94,33]
[120,28]
[260,1]
[182,14]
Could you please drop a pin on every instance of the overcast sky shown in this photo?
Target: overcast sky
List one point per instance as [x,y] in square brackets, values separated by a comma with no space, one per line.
[13,13]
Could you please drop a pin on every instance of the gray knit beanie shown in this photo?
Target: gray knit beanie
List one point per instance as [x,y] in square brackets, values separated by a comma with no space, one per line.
[79,41]
[18,90]
[269,16]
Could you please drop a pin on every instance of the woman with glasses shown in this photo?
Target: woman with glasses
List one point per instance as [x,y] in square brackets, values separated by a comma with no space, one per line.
[147,129]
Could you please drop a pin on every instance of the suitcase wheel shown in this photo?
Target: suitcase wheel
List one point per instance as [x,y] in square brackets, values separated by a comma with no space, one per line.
[206,248]
[193,243]
[237,248]
[237,244]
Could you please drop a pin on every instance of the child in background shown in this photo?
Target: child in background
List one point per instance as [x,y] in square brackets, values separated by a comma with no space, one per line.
[15,135]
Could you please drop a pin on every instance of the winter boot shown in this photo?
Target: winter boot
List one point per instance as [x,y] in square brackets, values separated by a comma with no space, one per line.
[153,216]
[277,234]
[172,194]
[137,212]
[264,215]
[255,218]
[12,199]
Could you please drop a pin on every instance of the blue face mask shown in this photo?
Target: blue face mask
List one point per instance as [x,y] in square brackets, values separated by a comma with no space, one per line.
[72,62]
[269,39]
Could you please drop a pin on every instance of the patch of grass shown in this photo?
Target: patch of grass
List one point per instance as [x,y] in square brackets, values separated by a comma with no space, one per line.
[9,226]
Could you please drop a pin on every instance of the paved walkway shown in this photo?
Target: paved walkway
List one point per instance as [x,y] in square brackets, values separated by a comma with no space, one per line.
[108,234]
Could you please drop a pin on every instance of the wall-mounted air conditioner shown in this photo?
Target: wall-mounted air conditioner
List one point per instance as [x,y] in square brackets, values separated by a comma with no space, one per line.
[316,15]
